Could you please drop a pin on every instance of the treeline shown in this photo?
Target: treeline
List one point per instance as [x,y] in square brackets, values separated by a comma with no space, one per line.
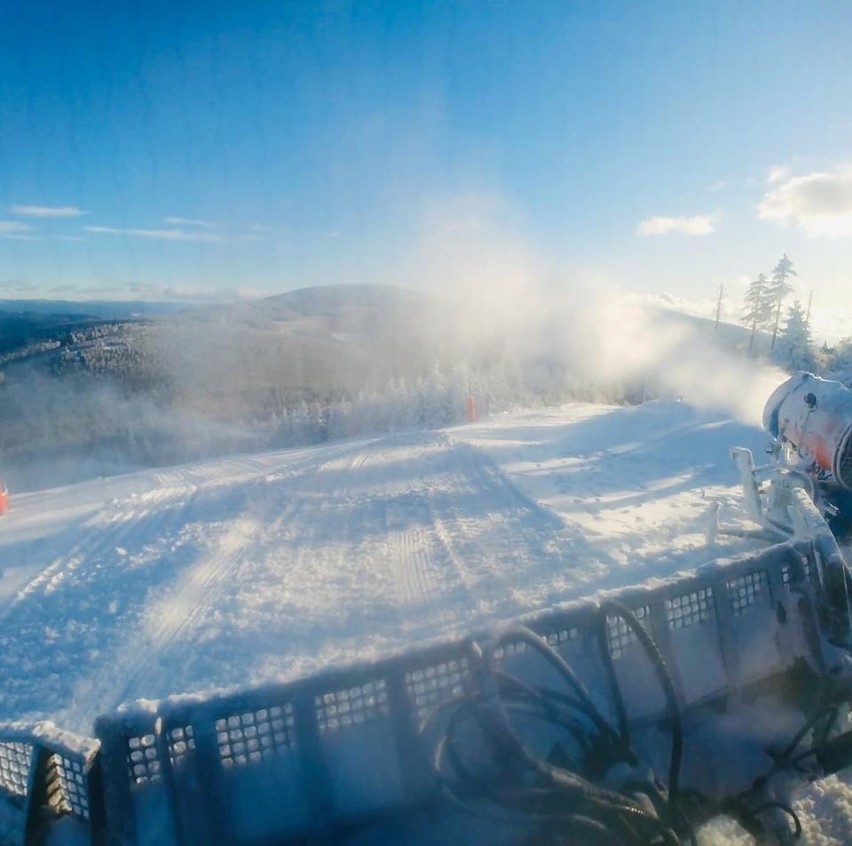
[768,312]
[51,426]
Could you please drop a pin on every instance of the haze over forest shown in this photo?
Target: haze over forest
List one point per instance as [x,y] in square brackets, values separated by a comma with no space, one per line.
[122,386]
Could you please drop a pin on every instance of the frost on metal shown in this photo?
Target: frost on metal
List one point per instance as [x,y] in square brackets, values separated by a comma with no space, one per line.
[47,774]
[347,747]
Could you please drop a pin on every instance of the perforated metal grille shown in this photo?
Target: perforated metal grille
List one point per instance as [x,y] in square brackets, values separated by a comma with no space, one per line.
[434,686]
[748,590]
[514,647]
[620,635]
[66,786]
[787,574]
[510,647]
[352,706]
[181,741]
[690,609]
[15,759]
[255,735]
[142,759]
[562,636]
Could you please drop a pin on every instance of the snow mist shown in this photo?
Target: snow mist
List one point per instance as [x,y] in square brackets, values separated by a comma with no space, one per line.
[506,300]
[674,356]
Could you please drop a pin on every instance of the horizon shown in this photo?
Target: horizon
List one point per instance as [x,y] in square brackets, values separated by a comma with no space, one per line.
[219,152]
[650,302]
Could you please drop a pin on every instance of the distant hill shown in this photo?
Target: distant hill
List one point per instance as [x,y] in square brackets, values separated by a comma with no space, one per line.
[731,336]
[243,359]
[228,362]
[173,385]
[125,388]
[312,327]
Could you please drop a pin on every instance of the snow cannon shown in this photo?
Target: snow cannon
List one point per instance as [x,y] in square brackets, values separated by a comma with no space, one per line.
[812,418]
[810,421]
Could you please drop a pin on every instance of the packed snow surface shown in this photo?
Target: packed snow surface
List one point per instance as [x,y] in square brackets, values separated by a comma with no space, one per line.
[270,566]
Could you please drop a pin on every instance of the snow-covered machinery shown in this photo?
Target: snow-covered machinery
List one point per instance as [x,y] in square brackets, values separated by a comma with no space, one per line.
[810,422]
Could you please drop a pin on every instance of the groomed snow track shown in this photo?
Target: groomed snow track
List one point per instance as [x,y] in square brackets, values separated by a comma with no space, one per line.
[202,578]
[346,753]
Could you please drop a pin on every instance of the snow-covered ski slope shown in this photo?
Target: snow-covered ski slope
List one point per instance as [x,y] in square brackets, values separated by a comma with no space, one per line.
[255,567]
[259,567]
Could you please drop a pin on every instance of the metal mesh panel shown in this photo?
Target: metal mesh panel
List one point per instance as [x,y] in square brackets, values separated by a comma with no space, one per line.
[351,706]
[142,759]
[431,687]
[181,741]
[787,574]
[690,609]
[554,638]
[620,635]
[748,590]
[510,647]
[15,760]
[67,790]
[254,736]
[562,636]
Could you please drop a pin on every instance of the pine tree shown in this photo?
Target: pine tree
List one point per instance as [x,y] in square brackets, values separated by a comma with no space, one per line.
[779,287]
[759,307]
[796,350]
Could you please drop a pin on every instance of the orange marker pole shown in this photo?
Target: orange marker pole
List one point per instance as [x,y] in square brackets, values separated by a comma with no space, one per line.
[471,410]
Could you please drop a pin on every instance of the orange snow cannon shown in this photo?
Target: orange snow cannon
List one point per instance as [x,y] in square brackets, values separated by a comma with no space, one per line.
[810,422]
[814,416]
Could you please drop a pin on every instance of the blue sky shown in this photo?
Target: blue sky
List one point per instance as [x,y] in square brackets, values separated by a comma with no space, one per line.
[199,148]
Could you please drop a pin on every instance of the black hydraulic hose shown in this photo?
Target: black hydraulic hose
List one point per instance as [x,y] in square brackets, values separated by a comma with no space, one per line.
[529,637]
[780,806]
[495,721]
[514,806]
[611,608]
[526,787]
[797,738]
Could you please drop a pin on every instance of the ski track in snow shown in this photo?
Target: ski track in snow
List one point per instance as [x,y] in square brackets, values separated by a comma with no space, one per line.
[261,567]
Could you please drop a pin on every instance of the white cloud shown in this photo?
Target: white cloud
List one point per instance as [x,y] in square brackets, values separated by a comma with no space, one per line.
[47,211]
[702,224]
[14,230]
[819,203]
[13,226]
[778,173]
[158,234]
[190,221]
